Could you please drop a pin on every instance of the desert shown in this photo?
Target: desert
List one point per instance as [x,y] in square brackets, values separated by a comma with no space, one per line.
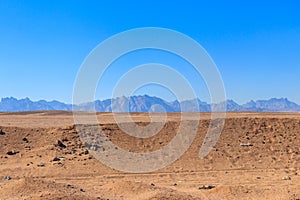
[149,100]
[256,157]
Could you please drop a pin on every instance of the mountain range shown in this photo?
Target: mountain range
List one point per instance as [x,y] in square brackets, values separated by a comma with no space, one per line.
[147,103]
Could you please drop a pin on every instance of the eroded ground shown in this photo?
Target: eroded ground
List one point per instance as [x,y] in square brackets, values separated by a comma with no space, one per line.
[33,165]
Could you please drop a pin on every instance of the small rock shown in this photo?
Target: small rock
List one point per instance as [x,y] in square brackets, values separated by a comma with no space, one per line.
[208,187]
[246,145]
[152,184]
[27,148]
[11,153]
[6,178]
[25,140]
[286,178]
[41,164]
[85,152]
[2,132]
[82,190]
[58,158]
[70,186]
[60,144]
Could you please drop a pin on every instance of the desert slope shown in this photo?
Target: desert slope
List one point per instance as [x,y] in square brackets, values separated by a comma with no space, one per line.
[40,168]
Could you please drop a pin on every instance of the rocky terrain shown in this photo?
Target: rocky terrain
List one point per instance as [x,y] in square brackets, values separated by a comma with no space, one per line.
[256,157]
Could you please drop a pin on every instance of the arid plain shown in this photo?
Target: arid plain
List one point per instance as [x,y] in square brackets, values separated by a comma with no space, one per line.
[42,157]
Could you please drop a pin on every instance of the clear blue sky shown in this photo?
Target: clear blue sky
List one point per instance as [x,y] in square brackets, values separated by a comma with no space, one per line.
[255,44]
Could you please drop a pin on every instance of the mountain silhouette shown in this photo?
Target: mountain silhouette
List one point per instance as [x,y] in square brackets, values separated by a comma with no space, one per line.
[147,103]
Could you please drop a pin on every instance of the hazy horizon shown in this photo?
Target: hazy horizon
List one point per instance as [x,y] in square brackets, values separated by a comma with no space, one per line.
[172,100]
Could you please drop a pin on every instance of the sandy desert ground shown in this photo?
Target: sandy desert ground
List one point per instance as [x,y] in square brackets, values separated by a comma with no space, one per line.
[34,166]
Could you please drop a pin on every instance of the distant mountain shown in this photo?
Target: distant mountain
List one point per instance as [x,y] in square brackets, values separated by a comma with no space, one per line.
[14,105]
[272,105]
[230,105]
[147,103]
[128,104]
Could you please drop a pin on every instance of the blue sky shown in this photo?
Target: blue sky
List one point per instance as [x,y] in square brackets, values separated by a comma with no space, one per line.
[255,44]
